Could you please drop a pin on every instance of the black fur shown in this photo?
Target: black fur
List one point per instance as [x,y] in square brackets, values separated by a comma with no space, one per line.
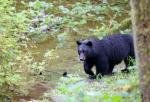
[106,53]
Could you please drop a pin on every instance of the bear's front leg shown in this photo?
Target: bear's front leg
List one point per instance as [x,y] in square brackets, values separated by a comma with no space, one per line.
[102,67]
[87,68]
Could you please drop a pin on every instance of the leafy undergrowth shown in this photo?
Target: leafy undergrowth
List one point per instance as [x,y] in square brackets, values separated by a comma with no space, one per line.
[120,87]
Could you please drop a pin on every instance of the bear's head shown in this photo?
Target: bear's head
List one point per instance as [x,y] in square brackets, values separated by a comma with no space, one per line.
[85,49]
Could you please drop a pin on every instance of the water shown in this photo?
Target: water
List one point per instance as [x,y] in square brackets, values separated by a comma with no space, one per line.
[67,62]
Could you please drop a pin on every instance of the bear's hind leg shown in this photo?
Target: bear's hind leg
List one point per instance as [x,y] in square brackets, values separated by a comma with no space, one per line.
[111,67]
[127,64]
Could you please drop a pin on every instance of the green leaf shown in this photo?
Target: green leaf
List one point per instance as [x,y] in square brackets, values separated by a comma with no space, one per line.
[116,99]
[13,79]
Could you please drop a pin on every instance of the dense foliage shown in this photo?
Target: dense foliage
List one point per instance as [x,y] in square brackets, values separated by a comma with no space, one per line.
[16,63]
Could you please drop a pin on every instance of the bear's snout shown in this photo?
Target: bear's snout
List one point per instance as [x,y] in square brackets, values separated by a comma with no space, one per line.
[82,57]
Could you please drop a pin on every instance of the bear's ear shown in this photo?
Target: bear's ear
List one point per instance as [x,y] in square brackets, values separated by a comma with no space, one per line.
[78,42]
[89,43]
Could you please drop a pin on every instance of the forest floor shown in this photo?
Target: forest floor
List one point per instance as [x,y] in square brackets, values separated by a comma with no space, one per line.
[119,87]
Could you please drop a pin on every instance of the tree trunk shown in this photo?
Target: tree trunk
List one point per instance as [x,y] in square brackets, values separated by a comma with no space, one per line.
[140,11]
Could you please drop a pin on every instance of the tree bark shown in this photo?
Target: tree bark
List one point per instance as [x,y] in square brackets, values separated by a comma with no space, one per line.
[140,11]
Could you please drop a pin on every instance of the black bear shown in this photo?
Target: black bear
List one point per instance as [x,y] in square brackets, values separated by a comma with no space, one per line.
[106,53]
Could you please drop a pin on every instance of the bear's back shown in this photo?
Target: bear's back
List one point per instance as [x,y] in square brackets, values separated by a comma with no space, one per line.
[116,47]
